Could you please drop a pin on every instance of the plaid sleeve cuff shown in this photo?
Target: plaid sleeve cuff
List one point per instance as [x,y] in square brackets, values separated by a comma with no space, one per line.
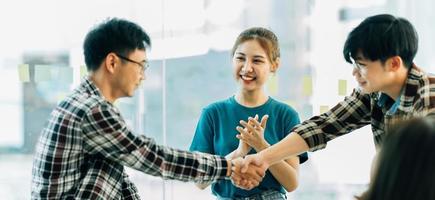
[221,167]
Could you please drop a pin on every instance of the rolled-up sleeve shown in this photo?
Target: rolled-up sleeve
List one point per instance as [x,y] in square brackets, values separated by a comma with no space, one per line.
[350,114]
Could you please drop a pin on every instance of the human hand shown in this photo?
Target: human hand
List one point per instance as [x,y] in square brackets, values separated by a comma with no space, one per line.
[243,148]
[248,179]
[253,132]
[254,160]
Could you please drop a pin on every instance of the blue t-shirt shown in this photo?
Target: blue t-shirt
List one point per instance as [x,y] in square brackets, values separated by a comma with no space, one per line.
[216,134]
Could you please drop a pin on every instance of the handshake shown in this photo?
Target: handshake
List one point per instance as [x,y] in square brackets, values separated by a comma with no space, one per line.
[248,172]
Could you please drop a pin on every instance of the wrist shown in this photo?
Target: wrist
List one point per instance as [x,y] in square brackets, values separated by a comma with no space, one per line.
[242,152]
[263,155]
[262,147]
[230,165]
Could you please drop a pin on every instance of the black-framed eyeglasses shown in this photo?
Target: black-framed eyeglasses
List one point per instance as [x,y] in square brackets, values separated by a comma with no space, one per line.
[143,65]
[358,66]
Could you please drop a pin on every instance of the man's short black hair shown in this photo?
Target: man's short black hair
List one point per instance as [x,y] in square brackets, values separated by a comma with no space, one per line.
[381,37]
[113,35]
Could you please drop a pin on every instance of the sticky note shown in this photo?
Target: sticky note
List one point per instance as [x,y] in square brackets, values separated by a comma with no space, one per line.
[42,73]
[272,85]
[23,73]
[307,85]
[342,87]
[83,71]
[323,109]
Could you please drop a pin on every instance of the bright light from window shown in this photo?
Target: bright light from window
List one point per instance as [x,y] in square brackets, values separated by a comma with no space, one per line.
[224,12]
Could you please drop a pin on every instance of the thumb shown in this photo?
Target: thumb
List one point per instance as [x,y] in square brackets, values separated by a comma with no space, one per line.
[245,164]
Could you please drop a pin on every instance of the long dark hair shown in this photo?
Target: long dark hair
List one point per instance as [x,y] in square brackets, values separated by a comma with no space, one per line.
[406,163]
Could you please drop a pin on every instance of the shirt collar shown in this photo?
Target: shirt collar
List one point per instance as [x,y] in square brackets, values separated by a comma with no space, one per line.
[407,95]
[89,87]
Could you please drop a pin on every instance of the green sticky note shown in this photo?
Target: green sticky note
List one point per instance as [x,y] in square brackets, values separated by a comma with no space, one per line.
[42,73]
[83,71]
[307,84]
[342,87]
[23,73]
[323,109]
[272,85]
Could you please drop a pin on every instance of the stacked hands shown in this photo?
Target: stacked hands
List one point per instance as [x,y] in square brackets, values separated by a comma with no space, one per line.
[249,170]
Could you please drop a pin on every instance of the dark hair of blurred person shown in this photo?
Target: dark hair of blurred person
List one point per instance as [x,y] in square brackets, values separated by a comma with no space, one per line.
[405,165]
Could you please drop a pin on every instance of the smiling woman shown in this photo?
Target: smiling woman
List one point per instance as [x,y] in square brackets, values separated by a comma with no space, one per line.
[41,61]
[255,56]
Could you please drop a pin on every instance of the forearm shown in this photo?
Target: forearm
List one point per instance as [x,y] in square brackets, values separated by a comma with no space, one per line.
[229,157]
[286,174]
[292,145]
[176,164]
[235,154]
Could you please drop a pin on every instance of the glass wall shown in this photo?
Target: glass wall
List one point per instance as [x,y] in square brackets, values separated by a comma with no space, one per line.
[41,61]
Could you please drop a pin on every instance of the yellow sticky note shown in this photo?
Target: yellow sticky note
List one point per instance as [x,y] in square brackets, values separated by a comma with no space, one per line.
[323,109]
[272,85]
[307,84]
[83,71]
[23,73]
[42,73]
[342,87]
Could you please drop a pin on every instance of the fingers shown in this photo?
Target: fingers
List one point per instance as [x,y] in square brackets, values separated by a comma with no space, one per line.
[245,164]
[247,125]
[264,121]
[241,130]
[244,181]
[244,134]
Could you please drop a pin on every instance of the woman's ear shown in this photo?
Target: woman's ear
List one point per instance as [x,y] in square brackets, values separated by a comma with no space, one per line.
[275,65]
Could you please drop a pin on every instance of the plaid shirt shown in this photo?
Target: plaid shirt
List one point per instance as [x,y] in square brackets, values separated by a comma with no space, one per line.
[358,110]
[82,152]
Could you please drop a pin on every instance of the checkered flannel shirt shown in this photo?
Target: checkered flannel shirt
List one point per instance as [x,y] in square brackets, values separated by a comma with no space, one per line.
[84,147]
[358,110]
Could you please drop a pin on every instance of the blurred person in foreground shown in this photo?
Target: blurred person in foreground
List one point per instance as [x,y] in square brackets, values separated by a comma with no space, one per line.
[404,167]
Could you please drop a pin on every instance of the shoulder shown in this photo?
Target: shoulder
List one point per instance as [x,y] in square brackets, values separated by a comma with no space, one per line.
[426,90]
[283,107]
[81,104]
[219,105]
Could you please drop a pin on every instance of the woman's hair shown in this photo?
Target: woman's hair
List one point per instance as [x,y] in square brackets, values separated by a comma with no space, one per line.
[406,163]
[266,38]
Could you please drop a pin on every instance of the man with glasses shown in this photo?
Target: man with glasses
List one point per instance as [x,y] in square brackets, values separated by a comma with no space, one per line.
[86,143]
[143,65]
[391,88]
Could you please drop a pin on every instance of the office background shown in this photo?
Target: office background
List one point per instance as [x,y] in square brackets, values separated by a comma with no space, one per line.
[41,61]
